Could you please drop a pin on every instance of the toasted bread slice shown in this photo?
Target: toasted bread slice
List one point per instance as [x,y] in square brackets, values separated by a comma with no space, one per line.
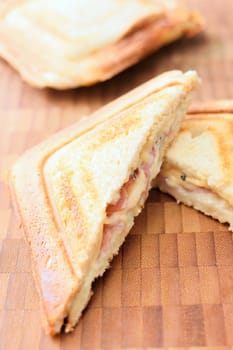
[78,192]
[64,44]
[198,166]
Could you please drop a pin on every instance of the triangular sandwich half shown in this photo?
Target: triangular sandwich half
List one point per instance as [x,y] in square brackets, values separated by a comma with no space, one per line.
[78,192]
[198,167]
[70,43]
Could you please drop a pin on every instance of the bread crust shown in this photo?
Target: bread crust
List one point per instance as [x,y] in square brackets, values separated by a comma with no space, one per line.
[213,106]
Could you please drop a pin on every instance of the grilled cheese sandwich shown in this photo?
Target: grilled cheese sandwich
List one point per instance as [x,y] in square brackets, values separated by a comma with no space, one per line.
[78,192]
[198,165]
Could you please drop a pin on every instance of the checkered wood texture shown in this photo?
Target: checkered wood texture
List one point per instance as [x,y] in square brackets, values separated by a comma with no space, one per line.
[171,286]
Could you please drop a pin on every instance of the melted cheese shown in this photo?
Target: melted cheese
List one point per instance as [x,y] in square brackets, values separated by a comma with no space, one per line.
[203,199]
[134,196]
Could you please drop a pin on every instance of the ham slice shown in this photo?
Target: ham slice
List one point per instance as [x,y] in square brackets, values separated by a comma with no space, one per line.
[122,201]
[121,206]
[110,231]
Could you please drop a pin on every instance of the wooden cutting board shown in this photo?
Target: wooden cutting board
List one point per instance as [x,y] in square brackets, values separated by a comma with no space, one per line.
[171,286]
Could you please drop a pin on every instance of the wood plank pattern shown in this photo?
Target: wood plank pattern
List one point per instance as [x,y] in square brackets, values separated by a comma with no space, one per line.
[171,286]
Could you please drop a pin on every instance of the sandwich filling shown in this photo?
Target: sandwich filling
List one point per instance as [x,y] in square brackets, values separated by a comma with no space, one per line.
[131,197]
[129,201]
[201,198]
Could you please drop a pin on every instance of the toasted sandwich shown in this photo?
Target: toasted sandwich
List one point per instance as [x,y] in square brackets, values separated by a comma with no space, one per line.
[64,44]
[78,192]
[198,166]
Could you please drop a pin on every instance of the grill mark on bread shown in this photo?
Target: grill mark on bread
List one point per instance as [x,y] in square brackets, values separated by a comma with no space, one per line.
[226,125]
[65,187]
[121,127]
[225,157]
[54,215]
[76,212]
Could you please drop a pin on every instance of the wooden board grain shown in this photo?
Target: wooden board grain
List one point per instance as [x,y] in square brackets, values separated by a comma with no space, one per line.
[171,286]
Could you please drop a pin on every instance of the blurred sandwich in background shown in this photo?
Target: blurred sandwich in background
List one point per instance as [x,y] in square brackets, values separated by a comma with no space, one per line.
[65,44]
